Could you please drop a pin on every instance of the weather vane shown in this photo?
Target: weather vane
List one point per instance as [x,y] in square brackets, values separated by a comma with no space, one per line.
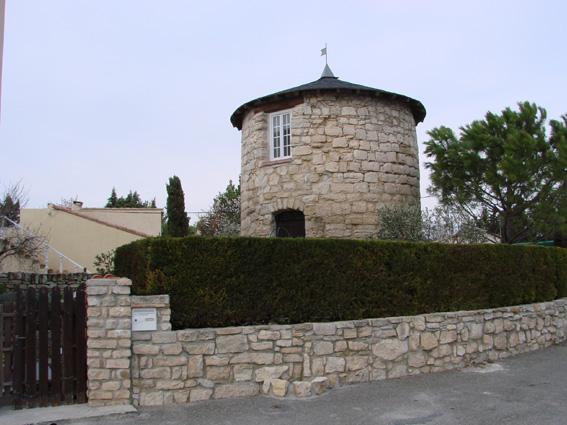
[324,53]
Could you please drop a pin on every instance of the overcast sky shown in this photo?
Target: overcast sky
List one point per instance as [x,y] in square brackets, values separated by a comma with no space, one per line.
[127,93]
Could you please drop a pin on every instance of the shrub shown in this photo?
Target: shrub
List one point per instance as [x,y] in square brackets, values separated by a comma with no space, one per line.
[235,281]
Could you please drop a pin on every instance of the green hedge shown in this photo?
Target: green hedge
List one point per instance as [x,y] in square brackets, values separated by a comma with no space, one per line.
[234,281]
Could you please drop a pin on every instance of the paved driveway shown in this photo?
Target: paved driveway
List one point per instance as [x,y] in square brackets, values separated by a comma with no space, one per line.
[528,389]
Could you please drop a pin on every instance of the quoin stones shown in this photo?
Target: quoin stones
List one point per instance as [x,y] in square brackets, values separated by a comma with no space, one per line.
[321,159]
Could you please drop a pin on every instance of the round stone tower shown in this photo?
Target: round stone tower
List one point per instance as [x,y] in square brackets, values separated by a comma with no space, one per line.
[321,159]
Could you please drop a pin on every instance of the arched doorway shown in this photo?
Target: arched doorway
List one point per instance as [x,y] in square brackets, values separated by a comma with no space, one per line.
[290,224]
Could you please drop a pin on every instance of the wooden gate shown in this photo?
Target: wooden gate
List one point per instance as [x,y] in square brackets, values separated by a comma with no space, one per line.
[43,346]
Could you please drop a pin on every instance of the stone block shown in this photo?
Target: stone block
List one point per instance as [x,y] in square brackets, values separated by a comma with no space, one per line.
[243,389]
[117,363]
[324,328]
[301,389]
[119,311]
[270,335]
[429,341]
[218,373]
[334,364]
[100,395]
[356,362]
[500,341]
[259,358]
[357,346]
[319,385]
[171,349]
[199,347]
[268,373]
[242,372]
[195,366]
[170,360]
[145,349]
[475,330]
[156,373]
[166,337]
[101,343]
[279,387]
[232,344]
[390,349]
[169,384]
[200,394]
[322,347]
[94,373]
[447,337]
[416,359]
[151,398]
[218,360]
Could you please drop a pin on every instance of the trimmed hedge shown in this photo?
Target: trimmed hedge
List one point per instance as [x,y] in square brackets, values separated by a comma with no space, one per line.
[235,281]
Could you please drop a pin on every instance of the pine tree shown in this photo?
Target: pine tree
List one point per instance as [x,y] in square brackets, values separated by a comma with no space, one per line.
[111,203]
[132,200]
[177,221]
[10,208]
[506,170]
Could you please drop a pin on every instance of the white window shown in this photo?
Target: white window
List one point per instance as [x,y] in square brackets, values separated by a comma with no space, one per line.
[280,135]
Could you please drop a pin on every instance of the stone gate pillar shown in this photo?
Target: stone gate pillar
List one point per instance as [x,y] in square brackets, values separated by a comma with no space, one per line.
[109,341]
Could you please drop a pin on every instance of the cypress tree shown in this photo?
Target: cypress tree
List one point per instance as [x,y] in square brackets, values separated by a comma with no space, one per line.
[177,221]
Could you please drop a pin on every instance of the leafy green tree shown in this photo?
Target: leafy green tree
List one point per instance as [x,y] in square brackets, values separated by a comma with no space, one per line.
[504,171]
[132,200]
[177,223]
[224,217]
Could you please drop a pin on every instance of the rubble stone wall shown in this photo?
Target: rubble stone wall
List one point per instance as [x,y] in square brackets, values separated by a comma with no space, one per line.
[11,280]
[161,367]
[307,359]
[351,155]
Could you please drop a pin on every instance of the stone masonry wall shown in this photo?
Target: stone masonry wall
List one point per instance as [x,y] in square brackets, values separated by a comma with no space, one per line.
[307,359]
[12,281]
[109,341]
[351,155]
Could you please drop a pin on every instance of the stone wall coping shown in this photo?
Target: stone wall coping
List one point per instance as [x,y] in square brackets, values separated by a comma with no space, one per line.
[109,282]
[150,301]
[375,321]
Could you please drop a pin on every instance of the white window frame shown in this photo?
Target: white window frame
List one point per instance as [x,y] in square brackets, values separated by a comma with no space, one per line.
[271,146]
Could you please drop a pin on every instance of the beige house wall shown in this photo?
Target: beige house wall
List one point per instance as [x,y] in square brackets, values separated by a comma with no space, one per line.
[76,237]
[143,220]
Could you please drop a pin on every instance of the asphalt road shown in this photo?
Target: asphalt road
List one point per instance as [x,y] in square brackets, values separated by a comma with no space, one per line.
[527,389]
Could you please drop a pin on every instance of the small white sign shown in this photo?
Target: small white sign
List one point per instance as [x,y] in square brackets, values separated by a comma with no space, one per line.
[144,319]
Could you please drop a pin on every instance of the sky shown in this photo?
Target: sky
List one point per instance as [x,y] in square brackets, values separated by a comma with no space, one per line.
[102,94]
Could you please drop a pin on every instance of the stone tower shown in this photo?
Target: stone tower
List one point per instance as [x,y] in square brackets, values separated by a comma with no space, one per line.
[321,159]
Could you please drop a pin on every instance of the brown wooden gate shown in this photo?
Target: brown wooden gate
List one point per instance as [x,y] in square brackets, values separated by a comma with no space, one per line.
[43,347]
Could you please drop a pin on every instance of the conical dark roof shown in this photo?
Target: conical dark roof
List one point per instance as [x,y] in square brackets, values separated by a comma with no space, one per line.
[328,84]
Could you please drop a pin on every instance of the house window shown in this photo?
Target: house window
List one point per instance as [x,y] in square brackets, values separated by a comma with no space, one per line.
[280,135]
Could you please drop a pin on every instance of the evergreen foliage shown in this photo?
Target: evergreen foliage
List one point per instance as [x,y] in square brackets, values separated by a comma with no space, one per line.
[12,199]
[177,223]
[235,281]
[506,172]
[10,208]
[132,200]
